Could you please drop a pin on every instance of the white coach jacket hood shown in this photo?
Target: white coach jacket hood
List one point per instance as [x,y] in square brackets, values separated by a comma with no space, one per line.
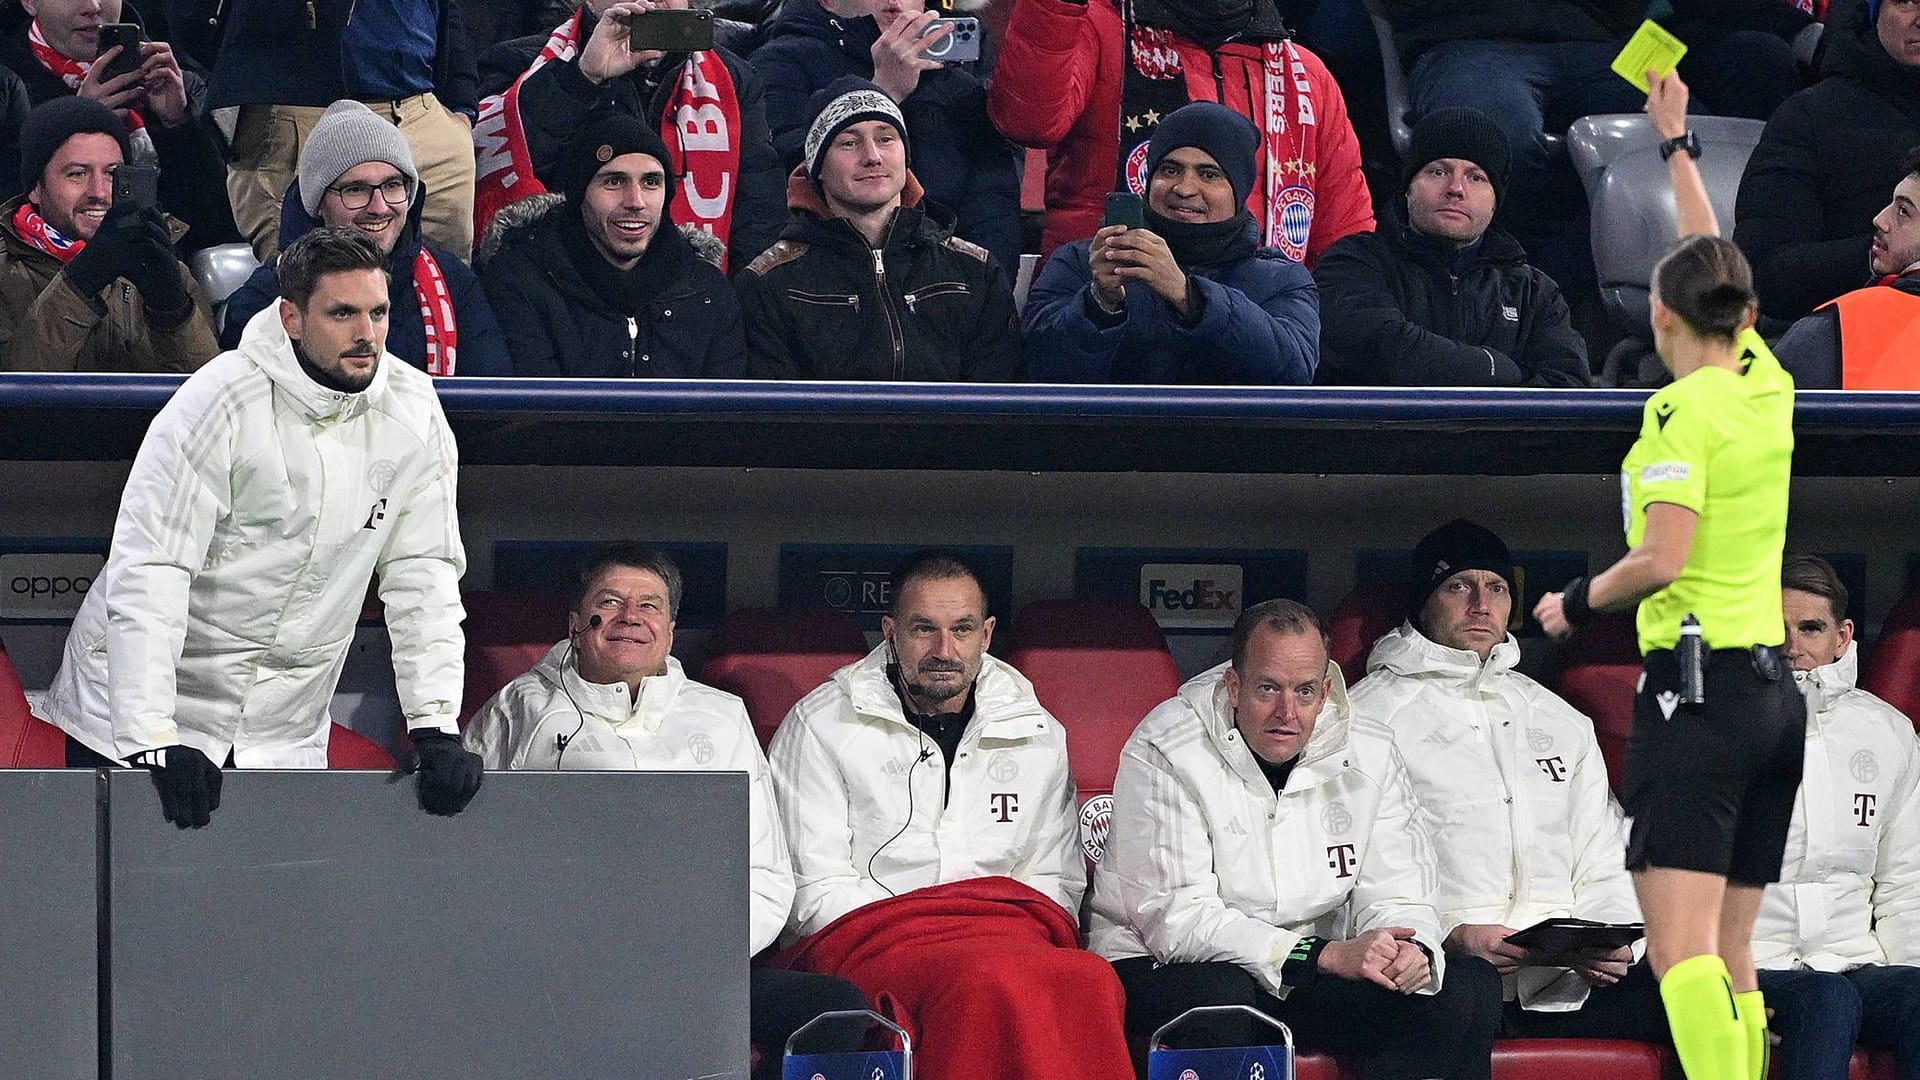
[1849,890]
[1205,862]
[259,505]
[677,723]
[1515,790]
[868,812]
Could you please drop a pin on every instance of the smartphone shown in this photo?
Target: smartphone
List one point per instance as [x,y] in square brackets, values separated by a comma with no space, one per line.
[1124,208]
[671,30]
[126,35]
[138,185]
[962,46]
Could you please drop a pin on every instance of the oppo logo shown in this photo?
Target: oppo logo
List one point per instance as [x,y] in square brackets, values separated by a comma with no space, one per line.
[46,585]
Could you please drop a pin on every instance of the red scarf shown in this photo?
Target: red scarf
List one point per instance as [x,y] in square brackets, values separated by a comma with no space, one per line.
[436,313]
[35,231]
[701,125]
[71,71]
[503,170]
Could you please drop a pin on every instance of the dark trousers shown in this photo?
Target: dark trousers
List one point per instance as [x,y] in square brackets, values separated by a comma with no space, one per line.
[1629,1009]
[1820,1015]
[1448,1035]
[81,756]
[779,1002]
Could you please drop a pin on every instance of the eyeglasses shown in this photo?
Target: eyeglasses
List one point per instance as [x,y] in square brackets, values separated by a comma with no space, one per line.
[397,192]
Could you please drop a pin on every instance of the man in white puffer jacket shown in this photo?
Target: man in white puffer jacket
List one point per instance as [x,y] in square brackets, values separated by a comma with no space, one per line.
[1838,935]
[613,696]
[269,489]
[1512,781]
[1266,851]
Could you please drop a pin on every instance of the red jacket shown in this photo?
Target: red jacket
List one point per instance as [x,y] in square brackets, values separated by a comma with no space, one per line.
[1056,86]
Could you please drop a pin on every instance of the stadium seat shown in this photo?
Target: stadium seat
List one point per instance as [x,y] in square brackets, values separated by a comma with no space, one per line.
[507,633]
[221,270]
[1364,614]
[26,741]
[1601,669]
[1893,673]
[348,749]
[1577,1059]
[1618,158]
[1099,666]
[773,657]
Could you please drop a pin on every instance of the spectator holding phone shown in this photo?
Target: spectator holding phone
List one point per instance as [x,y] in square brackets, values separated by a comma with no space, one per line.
[96,49]
[1185,293]
[961,158]
[88,283]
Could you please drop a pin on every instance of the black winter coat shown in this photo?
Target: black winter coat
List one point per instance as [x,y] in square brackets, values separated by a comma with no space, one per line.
[13,113]
[270,54]
[481,349]
[1392,312]
[961,158]
[556,101]
[1827,163]
[1420,23]
[193,168]
[557,325]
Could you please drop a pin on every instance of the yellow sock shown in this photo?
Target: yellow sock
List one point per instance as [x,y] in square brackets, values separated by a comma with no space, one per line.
[1752,1008]
[1707,1032]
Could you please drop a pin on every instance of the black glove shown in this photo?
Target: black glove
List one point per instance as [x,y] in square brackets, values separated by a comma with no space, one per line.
[189,784]
[156,272]
[448,773]
[115,250]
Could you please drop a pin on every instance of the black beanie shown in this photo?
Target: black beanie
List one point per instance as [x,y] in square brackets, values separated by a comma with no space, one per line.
[1462,133]
[54,122]
[606,137]
[1458,545]
[1227,137]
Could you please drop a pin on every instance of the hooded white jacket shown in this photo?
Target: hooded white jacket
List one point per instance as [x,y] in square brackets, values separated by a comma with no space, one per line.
[676,724]
[258,506]
[1515,790]
[1205,862]
[868,815]
[1849,890]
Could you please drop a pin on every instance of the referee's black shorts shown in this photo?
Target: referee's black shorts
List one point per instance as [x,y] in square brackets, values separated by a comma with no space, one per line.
[1711,787]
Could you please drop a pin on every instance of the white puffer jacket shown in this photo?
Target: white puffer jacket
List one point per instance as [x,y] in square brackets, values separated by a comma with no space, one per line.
[868,813]
[551,718]
[1523,823]
[258,507]
[1849,891]
[1205,862]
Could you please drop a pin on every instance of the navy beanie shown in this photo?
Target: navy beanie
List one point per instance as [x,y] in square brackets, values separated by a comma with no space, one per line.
[53,122]
[1873,12]
[1458,545]
[607,136]
[1227,137]
[1464,134]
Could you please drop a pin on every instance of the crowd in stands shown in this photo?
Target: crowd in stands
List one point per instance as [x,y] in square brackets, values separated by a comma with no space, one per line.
[1268,243]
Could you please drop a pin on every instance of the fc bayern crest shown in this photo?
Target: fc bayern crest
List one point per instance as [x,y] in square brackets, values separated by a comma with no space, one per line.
[1290,221]
[1137,170]
[1096,817]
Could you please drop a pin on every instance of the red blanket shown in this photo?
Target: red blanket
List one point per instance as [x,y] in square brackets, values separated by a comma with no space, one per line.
[989,978]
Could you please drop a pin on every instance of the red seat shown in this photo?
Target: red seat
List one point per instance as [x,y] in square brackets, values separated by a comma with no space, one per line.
[1893,675]
[1364,615]
[507,633]
[26,741]
[1601,672]
[348,749]
[773,657]
[1099,666]
[1577,1059]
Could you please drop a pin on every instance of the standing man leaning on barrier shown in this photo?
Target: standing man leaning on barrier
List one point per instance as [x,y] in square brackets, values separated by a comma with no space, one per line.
[270,488]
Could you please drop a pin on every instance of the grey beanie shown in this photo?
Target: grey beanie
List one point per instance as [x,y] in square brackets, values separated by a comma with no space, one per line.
[348,134]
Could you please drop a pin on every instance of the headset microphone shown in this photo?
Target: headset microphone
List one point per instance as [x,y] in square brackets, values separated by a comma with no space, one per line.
[592,624]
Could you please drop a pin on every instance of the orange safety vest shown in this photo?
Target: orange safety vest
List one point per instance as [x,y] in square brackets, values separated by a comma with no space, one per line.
[1879,339]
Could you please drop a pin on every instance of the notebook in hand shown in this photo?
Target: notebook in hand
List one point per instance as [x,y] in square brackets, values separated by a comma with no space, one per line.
[1560,937]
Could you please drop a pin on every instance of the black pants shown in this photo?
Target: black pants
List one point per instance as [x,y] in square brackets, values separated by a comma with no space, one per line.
[1629,1009]
[779,1002]
[82,756]
[1448,1035]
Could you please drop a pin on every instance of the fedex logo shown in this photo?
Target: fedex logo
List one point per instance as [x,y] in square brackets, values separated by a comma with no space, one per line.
[1191,595]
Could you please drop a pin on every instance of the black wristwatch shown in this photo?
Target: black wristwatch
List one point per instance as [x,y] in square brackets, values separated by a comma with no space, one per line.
[1688,142]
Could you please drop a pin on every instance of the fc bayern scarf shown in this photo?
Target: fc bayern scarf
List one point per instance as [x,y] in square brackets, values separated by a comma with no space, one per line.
[1155,83]
[73,72]
[503,166]
[701,127]
[436,313]
[35,231]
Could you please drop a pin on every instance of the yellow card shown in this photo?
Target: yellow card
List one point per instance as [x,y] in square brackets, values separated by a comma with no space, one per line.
[1650,49]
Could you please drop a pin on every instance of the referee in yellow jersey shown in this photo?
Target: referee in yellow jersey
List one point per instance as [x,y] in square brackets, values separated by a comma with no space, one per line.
[1714,760]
